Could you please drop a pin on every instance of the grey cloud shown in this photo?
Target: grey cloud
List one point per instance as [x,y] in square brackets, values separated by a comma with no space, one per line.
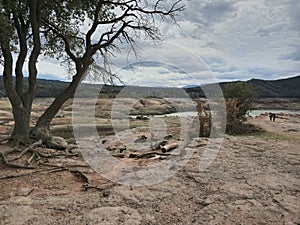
[217,10]
[272,30]
[211,45]
[294,10]
[164,72]
[294,56]
[209,12]
[214,60]
[225,69]
[270,73]
[293,53]
[143,64]
[150,64]
[230,77]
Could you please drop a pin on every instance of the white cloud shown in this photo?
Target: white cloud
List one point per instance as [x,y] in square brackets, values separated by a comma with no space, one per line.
[52,69]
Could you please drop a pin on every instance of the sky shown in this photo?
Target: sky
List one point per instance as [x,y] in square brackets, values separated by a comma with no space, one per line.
[213,40]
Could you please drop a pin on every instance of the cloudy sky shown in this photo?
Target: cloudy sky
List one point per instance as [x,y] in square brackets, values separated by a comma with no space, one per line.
[229,40]
[214,40]
[241,39]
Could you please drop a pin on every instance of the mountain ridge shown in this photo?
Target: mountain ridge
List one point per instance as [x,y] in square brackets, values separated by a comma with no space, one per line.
[280,88]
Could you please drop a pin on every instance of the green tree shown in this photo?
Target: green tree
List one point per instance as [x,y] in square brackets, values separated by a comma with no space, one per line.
[73,31]
[240,97]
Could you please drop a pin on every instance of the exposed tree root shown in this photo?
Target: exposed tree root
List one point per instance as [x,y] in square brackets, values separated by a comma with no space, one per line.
[5,139]
[48,170]
[36,152]
[31,147]
[6,162]
[63,167]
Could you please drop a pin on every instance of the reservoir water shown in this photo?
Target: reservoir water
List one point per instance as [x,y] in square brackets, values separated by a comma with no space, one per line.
[252,113]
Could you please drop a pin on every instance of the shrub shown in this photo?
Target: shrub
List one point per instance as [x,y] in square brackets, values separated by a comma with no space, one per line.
[239,99]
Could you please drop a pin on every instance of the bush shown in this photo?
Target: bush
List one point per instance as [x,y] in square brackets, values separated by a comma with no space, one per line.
[239,99]
[232,114]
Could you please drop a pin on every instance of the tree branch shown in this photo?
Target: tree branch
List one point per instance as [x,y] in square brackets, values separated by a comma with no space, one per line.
[66,41]
[169,12]
[101,45]
[8,72]
[35,20]
[94,26]
[22,30]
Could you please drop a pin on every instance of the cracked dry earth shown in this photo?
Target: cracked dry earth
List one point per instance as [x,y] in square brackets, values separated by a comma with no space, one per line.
[254,179]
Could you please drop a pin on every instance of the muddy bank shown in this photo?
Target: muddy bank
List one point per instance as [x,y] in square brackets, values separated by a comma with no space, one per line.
[278,103]
[254,179]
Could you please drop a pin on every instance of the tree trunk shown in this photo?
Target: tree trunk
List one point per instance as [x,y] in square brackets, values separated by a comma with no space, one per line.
[42,128]
[20,134]
[21,111]
[44,121]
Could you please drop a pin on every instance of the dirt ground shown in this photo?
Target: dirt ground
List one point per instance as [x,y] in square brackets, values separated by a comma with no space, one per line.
[254,179]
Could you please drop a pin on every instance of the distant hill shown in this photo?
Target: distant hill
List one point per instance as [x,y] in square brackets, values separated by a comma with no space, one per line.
[46,88]
[282,88]
[51,88]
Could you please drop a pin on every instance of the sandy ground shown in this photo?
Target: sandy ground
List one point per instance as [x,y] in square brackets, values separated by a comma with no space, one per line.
[254,179]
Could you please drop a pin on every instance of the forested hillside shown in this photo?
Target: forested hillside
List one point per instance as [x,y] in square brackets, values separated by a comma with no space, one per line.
[282,88]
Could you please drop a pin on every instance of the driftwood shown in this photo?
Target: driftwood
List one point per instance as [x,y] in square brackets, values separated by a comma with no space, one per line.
[147,155]
[169,147]
[159,152]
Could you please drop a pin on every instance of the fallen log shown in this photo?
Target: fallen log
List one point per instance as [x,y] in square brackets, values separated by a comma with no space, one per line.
[169,147]
[147,155]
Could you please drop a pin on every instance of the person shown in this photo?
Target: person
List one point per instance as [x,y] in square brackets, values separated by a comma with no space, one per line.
[272,116]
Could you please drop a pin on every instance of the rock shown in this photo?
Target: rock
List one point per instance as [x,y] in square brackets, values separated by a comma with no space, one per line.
[57,143]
